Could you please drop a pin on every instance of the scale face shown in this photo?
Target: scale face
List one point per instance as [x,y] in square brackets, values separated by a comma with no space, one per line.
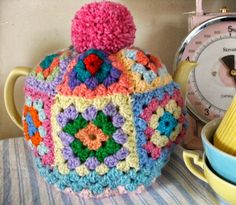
[212,85]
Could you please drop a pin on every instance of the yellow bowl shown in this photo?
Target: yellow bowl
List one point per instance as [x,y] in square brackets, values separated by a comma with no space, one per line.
[222,187]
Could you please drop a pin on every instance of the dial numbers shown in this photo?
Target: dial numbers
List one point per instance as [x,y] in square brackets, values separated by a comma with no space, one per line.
[211,86]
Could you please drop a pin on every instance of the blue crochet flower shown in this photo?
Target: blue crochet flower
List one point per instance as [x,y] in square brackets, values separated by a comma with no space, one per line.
[167,123]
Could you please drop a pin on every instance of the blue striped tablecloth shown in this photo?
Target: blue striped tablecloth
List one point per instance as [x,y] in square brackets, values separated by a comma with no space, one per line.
[20,184]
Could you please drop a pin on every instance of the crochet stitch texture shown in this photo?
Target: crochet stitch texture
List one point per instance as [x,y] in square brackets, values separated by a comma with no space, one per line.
[102,117]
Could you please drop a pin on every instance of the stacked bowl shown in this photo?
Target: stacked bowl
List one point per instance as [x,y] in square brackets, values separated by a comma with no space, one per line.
[218,161]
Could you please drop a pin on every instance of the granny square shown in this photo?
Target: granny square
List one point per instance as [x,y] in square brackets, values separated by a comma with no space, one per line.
[159,118]
[49,72]
[94,134]
[37,125]
[147,71]
[94,73]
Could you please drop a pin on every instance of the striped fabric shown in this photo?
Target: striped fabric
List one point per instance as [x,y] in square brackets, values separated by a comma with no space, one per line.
[20,184]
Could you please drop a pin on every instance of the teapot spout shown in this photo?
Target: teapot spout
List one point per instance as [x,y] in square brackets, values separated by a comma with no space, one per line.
[181,74]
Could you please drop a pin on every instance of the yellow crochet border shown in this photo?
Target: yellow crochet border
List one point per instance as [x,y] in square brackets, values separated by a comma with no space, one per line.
[125,109]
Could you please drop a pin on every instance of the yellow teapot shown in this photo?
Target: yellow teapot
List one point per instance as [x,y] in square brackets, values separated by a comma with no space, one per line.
[102,116]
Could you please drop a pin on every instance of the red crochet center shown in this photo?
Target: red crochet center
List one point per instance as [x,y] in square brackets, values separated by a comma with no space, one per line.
[93,63]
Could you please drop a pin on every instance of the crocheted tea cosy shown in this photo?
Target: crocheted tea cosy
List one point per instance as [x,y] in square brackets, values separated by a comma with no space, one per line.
[102,116]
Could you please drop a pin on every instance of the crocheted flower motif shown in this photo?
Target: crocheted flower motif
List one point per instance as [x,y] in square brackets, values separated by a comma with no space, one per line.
[31,125]
[102,75]
[146,65]
[49,66]
[163,125]
[167,123]
[33,117]
[37,125]
[93,68]
[95,137]
[49,72]
[91,131]
[146,70]
[92,137]
[160,119]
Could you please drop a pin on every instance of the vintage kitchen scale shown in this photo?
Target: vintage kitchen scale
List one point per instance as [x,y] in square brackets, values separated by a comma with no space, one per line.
[212,85]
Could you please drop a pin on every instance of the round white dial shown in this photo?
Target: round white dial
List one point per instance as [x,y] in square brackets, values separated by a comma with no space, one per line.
[212,85]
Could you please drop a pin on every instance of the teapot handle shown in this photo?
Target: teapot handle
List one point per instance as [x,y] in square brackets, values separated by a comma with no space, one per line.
[9,93]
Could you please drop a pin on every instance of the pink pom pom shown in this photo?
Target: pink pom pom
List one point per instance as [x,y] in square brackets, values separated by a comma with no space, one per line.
[106,26]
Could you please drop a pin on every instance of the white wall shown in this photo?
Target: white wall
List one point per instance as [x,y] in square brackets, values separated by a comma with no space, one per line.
[30,29]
